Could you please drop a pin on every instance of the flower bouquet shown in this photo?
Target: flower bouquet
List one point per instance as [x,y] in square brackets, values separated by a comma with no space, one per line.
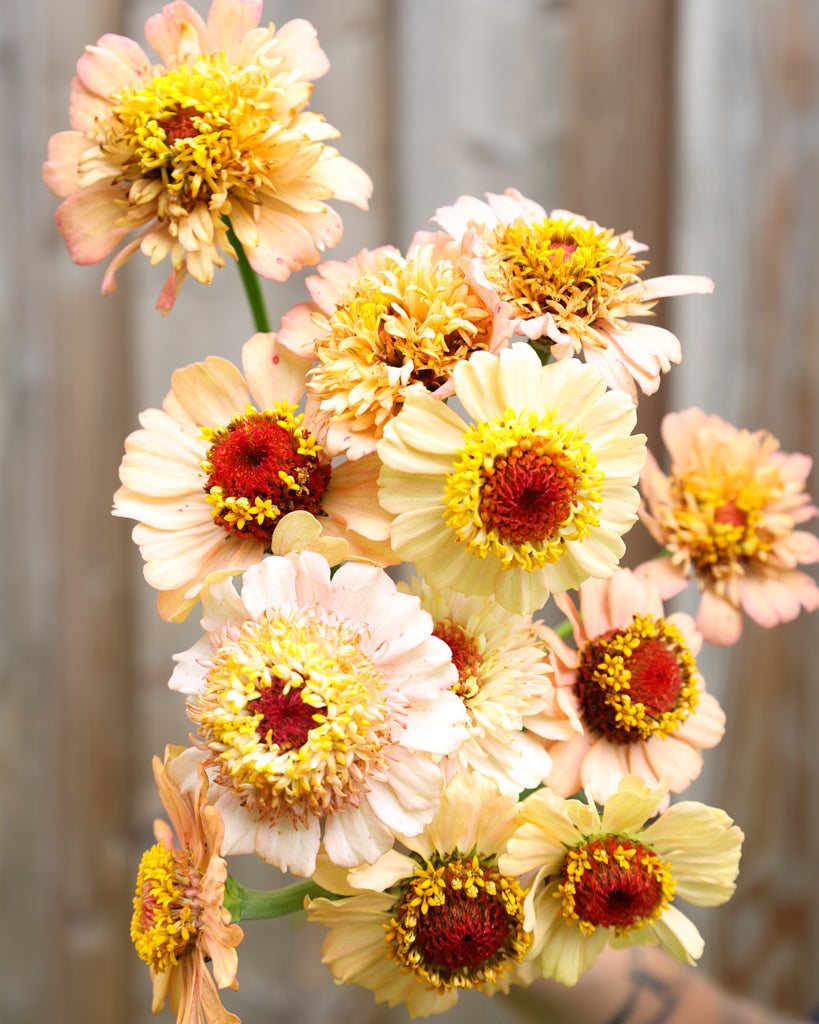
[465,796]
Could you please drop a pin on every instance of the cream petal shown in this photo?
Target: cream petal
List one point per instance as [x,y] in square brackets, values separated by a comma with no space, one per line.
[631,805]
[356,836]
[270,583]
[212,392]
[289,847]
[478,382]
[189,673]
[679,936]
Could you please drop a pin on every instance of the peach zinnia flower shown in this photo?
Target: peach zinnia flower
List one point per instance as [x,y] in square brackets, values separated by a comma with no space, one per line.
[323,706]
[612,879]
[506,680]
[727,514]
[634,685]
[567,281]
[215,480]
[436,919]
[180,923]
[531,497]
[217,130]
[380,323]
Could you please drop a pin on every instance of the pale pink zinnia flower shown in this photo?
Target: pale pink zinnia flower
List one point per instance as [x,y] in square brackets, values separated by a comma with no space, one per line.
[634,686]
[421,925]
[727,514]
[180,923]
[216,130]
[382,323]
[506,680]
[216,481]
[528,496]
[565,280]
[612,879]
[322,707]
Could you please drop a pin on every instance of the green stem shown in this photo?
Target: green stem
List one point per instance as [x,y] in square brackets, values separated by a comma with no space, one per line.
[564,629]
[255,904]
[250,279]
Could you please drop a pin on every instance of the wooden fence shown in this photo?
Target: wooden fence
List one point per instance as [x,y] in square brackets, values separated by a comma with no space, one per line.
[694,123]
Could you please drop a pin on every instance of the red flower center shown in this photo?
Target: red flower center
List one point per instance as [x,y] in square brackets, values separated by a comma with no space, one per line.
[465,656]
[180,126]
[463,932]
[635,682]
[260,467]
[286,719]
[730,514]
[529,495]
[614,882]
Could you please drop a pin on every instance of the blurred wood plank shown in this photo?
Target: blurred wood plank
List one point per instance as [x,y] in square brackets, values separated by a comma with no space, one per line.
[747,213]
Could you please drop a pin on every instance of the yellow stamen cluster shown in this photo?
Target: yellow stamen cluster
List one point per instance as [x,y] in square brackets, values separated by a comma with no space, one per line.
[200,131]
[348,742]
[428,892]
[405,321]
[163,926]
[239,510]
[627,856]
[609,669]
[718,521]
[558,448]
[575,273]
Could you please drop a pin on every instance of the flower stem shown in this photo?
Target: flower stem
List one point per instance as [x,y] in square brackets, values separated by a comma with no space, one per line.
[564,629]
[255,904]
[250,279]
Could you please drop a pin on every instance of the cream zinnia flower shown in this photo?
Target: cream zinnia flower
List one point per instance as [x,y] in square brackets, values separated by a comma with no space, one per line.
[571,284]
[217,130]
[506,680]
[322,706]
[531,497]
[633,684]
[229,469]
[380,323]
[613,879]
[436,919]
[180,923]
[727,513]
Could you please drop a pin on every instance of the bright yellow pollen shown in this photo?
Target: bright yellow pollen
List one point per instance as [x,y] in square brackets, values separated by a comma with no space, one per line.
[610,671]
[163,926]
[578,863]
[430,888]
[199,131]
[575,273]
[405,321]
[353,723]
[718,521]
[509,435]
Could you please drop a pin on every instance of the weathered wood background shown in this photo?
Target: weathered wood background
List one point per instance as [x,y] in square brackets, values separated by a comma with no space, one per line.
[695,123]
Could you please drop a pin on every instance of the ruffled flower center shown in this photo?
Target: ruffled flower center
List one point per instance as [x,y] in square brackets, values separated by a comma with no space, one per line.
[521,488]
[638,682]
[466,657]
[261,466]
[458,924]
[166,907]
[197,133]
[575,273]
[294,713]
[614,882]
[406,321]
[717,518]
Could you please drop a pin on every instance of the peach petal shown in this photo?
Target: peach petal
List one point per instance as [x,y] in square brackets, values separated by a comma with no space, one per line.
[284,245]
[60,173]
[674,284]
[602,770]
[176,32]
[297,42]
[230,20]
[116,63]
[718,621]
[212,392]
[273,373]
[87,222]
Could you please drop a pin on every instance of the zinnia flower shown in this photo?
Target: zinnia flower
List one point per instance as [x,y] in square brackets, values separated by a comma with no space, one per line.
[436,919]
[179,922]
[634,685]
[573,284]
[506,680]
[217,131]
[529,498]
[320,701]
[216,481]
[380,323]
[727,514]
[613,879]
